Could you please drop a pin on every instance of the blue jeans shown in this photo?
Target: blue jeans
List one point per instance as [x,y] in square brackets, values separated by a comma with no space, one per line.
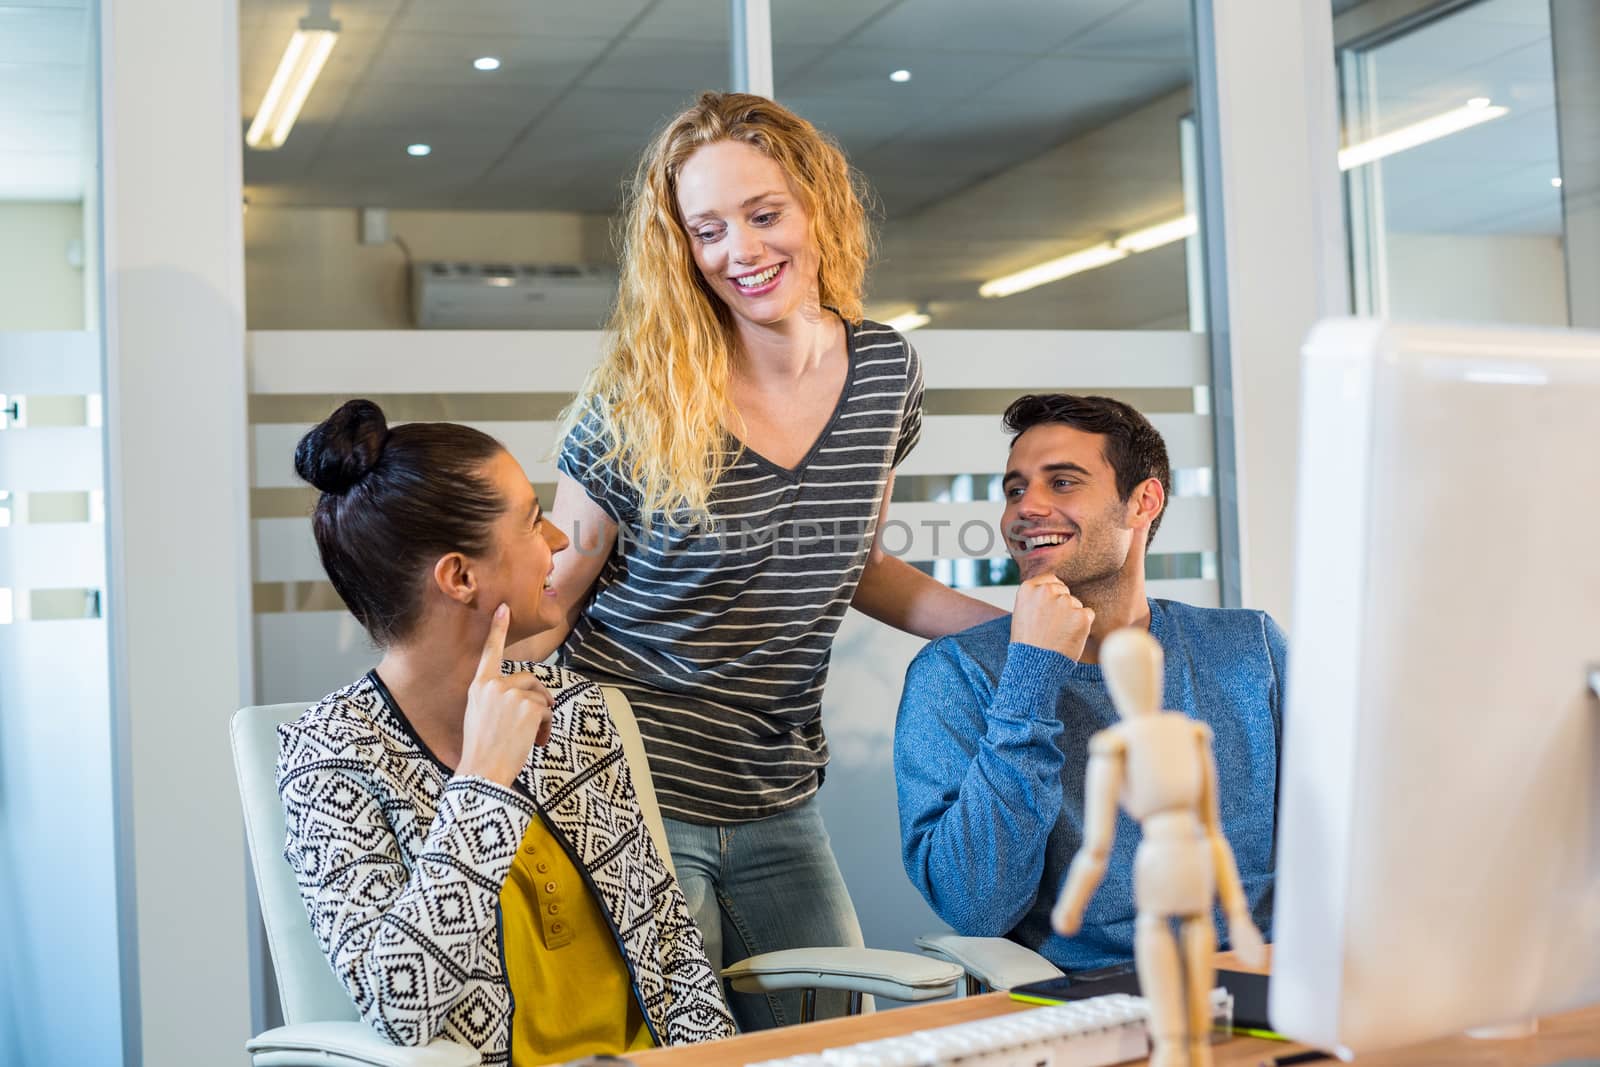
[761,886]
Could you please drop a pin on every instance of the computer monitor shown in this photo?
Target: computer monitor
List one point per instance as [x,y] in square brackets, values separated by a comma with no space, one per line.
[1439,830]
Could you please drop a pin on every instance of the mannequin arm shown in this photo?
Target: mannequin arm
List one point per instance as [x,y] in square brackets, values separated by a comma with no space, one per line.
[1101,787]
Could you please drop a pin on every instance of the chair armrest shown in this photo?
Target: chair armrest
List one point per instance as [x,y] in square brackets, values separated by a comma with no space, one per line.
[880,972]
[350,1044]
[997,962]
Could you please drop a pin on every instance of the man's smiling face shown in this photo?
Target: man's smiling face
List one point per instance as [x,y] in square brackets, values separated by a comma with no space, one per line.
[1063,514]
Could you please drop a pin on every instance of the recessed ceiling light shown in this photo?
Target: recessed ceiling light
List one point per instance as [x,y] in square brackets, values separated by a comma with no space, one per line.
[418,149]
[1478,102]
[486,63]
[1556,182]
[900,76]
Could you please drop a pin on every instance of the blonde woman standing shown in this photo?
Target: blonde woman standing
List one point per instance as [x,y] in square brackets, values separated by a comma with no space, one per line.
[724,471]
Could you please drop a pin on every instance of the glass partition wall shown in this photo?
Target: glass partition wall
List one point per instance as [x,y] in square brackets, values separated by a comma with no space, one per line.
[434,228]
[59,979]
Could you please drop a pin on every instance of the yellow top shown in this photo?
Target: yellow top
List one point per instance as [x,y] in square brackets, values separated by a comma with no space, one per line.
[571,988]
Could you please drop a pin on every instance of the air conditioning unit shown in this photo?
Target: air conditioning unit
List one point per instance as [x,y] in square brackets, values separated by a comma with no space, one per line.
[504,296]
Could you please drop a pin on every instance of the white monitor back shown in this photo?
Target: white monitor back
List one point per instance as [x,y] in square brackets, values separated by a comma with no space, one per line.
[1439,833]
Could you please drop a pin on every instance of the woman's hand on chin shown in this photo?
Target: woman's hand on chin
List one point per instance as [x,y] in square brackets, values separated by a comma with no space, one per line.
[507,714]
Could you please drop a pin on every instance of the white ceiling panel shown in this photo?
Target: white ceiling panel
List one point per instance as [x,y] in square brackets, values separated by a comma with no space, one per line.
[1025,27]
[426,110]
[636,114]
[936,76]
[859,124]
[1148,29]
[679,67]
[540,18]
[1061,84]
[806,23]
[686,20]
[446,59]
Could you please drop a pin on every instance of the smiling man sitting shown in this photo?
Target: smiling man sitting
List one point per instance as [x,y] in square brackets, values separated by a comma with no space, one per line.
[992,741]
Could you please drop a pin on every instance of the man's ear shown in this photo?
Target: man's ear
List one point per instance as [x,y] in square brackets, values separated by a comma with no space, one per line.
[1149,499]
[454,576]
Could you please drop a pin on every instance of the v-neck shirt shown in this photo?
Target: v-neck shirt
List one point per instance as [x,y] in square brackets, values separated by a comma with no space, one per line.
[720,636]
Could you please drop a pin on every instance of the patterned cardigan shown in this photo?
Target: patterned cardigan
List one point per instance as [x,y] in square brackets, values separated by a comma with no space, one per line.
[400,865]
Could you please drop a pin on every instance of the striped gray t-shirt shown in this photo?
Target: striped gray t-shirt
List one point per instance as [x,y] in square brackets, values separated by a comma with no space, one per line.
[720,637]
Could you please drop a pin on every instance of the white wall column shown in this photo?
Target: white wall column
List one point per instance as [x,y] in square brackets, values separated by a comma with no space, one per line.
[178,598]
[1267,87]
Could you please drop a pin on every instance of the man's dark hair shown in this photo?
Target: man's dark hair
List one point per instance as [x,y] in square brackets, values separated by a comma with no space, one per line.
[394,501]
[1133,447]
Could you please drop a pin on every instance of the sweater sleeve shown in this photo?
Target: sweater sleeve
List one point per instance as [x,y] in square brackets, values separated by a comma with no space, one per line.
[979,784]
[405,943]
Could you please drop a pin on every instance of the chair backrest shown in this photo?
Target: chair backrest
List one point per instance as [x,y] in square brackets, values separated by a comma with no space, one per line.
[307,987]
[633,748]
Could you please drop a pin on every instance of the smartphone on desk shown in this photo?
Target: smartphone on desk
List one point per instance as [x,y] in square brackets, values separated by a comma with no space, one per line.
[1249,993]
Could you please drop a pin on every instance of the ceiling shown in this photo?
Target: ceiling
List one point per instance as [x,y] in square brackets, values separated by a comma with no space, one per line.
[44,49]
[582,86]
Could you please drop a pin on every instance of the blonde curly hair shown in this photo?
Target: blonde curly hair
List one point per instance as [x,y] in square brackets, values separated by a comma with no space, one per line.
[661,391]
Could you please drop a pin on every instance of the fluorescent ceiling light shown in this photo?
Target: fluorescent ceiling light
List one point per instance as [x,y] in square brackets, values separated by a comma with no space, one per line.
[418,149]
[297,72]
[1054,270]
[1477,111]
[911,320]
[900,76]
[486,63]
[1160,234]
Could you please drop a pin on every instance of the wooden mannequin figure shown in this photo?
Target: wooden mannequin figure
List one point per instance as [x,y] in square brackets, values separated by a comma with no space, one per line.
[1159,764]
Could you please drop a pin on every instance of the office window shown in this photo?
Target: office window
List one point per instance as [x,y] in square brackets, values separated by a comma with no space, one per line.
[1453,160]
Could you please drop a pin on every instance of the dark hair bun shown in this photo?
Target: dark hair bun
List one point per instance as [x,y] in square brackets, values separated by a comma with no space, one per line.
[340,451]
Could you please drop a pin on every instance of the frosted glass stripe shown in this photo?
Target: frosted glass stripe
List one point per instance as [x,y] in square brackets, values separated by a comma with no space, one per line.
[1070,360]
[1189,525]
[304,655]
[51,459]
[353,362]
[57,362]
[272,450]
[286,551]
[53,555]
[978,444]
[951,444]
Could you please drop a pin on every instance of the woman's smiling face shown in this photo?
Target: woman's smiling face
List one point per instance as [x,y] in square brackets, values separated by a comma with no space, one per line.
[751,236]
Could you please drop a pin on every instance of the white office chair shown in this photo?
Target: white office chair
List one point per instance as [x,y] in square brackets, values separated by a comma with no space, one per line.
[990,963]
[322,1027]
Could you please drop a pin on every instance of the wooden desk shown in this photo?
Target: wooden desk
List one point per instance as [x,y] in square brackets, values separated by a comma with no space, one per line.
[1575,1035]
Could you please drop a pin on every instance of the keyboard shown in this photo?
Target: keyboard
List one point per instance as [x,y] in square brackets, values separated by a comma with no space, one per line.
[1083,1033]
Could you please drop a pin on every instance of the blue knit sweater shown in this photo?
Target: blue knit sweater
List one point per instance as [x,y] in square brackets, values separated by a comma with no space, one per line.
[990,752]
